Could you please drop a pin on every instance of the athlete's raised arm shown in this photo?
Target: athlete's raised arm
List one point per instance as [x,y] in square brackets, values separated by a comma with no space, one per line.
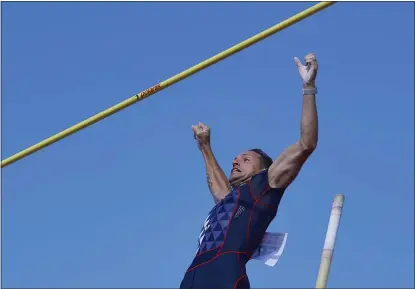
[287,166]
[218,182]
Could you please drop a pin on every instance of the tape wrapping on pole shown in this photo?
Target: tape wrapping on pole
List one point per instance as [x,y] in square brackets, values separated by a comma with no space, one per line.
[330,241]
[166,83]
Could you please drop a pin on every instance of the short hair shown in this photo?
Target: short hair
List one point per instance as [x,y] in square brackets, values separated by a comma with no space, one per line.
[266,160]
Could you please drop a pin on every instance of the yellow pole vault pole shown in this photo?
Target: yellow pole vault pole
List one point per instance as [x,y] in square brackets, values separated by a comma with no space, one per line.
[330,241]
[162,85]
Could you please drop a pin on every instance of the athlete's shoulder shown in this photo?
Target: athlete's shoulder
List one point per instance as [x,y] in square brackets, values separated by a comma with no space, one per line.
[260,182]
[262,175]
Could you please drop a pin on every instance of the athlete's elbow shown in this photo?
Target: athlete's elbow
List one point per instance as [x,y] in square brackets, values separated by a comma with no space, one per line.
[310,148]
[308,145]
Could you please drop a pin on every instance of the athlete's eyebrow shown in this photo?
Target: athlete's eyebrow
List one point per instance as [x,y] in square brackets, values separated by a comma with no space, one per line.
[242,155]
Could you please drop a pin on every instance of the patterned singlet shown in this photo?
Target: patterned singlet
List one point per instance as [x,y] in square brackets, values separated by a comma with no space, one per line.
[231,233]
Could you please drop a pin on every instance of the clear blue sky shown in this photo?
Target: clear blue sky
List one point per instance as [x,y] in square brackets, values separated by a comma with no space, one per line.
[121,203]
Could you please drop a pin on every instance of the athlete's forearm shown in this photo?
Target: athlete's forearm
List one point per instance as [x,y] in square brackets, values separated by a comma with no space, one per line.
[309,122]
[218,182]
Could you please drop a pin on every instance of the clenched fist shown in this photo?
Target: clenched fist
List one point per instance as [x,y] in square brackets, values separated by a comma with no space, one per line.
[201,134]
[308,72]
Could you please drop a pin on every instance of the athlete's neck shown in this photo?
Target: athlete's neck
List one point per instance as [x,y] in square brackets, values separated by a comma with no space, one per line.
[243,181]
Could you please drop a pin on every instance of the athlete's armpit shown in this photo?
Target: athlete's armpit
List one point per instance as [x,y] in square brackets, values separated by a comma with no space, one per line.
[286,167]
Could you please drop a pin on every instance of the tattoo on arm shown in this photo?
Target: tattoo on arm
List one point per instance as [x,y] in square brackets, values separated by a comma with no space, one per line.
[217,181]
[209,180]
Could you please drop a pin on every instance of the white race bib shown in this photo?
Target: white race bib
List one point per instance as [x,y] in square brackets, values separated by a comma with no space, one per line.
[271,248]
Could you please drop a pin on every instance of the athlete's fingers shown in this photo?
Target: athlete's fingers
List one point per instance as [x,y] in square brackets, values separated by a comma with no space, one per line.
[297,62]
[310,59]
[203,127]
[314,64]
[310,56]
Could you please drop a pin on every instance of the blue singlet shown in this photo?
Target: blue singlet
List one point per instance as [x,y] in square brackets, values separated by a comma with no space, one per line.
[230,235]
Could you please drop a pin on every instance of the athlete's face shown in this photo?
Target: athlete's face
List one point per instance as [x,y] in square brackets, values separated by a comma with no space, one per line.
[244,166]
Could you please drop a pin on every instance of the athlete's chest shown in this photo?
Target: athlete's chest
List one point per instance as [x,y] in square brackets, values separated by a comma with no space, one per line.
[214,229]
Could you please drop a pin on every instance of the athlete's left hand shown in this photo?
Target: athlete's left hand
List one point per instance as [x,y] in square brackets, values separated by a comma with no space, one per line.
[308,72]
[202,134]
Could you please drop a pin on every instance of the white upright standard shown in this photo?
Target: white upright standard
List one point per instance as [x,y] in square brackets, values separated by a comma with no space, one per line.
[327,255]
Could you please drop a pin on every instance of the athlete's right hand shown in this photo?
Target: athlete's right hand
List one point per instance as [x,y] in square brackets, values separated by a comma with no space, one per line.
[201,134]
[308,72]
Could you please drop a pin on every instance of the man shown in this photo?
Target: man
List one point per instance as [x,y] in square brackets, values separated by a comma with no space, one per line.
[247,202]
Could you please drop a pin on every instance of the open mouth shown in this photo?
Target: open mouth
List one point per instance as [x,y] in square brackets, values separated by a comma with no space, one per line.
[235,170]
